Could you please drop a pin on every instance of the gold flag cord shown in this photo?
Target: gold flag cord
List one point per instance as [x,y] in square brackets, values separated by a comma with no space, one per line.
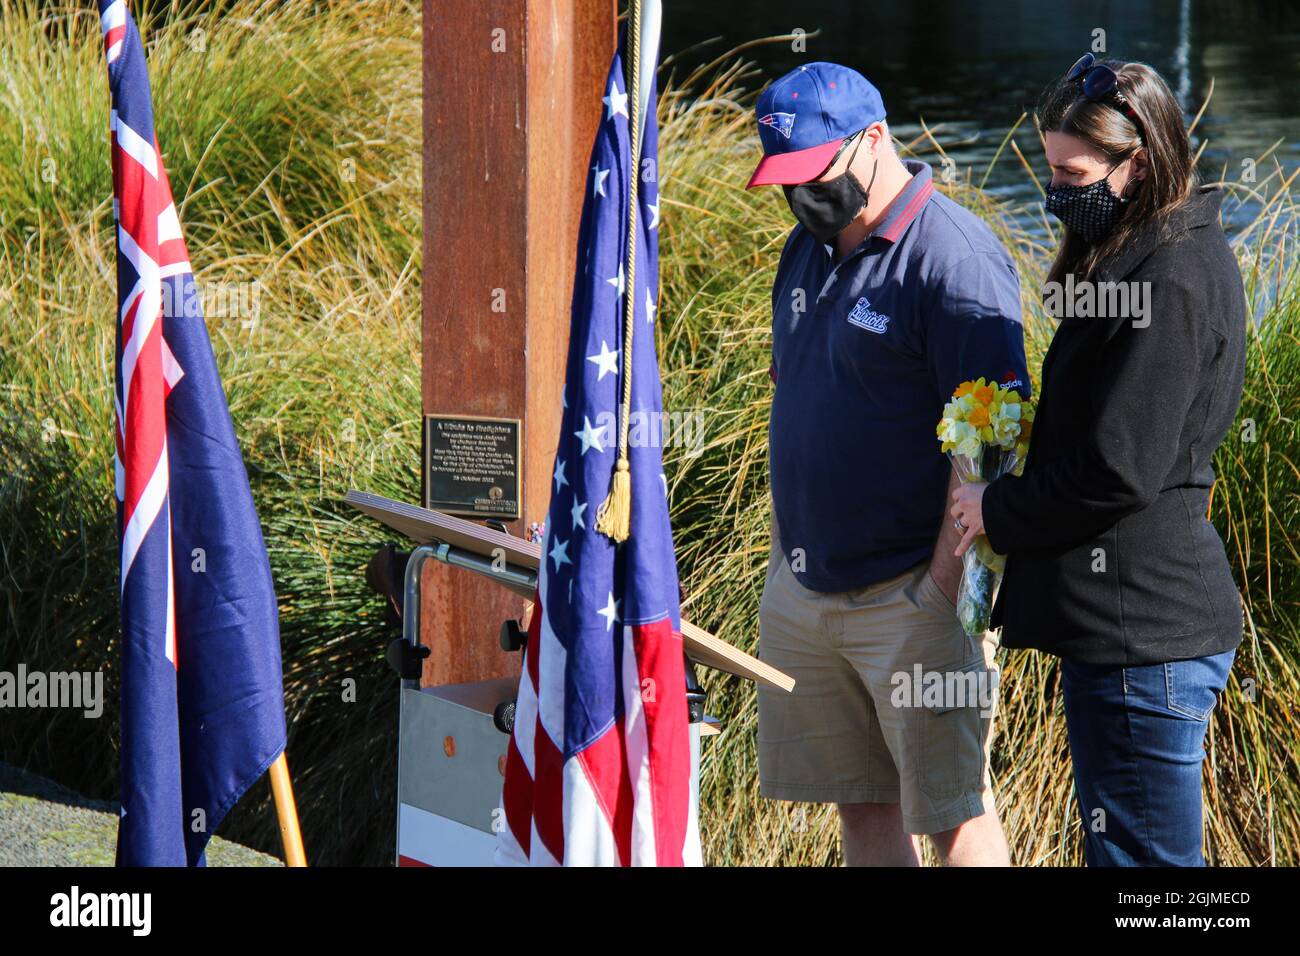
[614,516]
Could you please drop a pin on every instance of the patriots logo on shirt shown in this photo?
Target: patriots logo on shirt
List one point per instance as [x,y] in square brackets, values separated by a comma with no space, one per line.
[783,123]
[864,317]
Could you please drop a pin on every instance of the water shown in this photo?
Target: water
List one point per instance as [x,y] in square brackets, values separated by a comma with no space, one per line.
[969,69]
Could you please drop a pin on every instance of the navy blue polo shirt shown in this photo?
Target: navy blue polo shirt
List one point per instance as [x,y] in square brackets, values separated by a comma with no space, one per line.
[865,354]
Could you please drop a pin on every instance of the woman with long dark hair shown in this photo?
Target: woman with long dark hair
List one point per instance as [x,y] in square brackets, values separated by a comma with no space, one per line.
[1112,562]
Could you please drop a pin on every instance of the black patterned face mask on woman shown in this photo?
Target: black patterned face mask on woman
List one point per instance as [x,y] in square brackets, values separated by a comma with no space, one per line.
[1091,211]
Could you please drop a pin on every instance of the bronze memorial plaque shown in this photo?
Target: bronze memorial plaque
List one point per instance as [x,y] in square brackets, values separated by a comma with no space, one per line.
[471,466]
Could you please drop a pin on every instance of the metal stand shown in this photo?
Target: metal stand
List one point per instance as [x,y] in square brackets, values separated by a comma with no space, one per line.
[407,655]
[451,738]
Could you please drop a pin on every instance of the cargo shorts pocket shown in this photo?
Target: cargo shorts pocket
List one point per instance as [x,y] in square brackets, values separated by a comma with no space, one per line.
[938,598]
[952,728]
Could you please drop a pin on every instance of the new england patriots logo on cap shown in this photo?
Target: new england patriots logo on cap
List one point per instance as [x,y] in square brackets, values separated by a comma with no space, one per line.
[783,123]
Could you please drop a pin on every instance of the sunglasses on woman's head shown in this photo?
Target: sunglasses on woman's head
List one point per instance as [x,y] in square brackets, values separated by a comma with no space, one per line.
[1099,84]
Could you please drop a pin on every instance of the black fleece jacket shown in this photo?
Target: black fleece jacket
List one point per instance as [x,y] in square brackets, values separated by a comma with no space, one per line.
[1111,559]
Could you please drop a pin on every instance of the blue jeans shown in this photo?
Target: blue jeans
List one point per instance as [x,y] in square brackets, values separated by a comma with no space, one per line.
[1137,738]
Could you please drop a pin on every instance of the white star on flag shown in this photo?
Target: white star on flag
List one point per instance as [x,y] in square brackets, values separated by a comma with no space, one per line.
[590,436]
[559,553]
[576,511]
[654,215]
[560,480]
[598,184]
[650,307]
[616,101]
[606,361]
[610,611]
[618,280]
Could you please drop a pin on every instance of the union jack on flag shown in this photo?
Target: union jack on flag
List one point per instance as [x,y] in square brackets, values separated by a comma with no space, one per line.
[599,769]
[202,699]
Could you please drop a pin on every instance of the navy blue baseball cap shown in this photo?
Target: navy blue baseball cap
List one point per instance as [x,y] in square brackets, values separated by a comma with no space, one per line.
[804,117]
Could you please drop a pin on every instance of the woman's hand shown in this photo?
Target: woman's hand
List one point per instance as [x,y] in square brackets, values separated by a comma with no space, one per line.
[968,513]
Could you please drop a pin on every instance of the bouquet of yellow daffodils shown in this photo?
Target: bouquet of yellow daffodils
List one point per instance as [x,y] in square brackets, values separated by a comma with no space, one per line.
[985,431]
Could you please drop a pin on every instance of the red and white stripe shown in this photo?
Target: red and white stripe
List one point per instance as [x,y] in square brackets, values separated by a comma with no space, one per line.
[615,803]
[112,22]
[148,237]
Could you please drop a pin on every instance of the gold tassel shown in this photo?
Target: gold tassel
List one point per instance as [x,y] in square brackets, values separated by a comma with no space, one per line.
[614,516]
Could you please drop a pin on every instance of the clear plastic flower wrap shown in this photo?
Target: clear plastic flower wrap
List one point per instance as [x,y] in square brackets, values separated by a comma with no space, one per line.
[985,431]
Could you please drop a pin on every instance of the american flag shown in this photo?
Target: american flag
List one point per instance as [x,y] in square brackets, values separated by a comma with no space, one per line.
[599,767]
[202,700]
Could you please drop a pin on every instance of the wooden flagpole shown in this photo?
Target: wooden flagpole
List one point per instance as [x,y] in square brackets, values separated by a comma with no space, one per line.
[287,811]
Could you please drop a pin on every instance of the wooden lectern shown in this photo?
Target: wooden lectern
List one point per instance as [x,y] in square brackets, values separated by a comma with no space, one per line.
[512,102]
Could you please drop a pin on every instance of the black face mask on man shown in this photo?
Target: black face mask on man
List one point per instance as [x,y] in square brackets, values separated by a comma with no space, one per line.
[1090,211]
[827,207]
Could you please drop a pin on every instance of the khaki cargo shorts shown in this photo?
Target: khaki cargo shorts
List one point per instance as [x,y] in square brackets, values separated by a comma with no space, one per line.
[893,702]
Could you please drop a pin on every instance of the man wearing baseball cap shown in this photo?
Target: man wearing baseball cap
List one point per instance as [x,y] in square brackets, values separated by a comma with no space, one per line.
[888,295]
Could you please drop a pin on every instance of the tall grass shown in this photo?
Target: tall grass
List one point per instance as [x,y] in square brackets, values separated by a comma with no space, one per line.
[291,133]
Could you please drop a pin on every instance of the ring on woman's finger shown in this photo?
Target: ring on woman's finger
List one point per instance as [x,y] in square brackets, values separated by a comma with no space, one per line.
[959,526]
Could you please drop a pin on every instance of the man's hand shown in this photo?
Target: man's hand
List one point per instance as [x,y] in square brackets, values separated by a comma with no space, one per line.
[945,567]
[968,511]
